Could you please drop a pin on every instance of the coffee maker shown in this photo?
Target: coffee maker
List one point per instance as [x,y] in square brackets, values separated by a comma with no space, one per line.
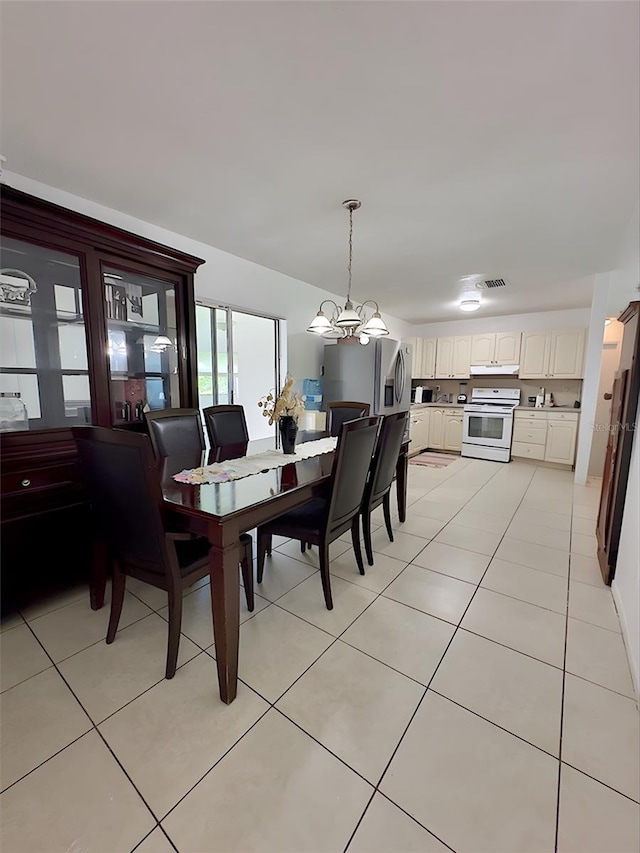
[462,393]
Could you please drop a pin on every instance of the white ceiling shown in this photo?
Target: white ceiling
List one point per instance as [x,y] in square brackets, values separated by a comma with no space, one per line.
[497,138]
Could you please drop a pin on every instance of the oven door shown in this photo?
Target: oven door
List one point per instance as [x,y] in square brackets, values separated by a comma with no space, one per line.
[487,429]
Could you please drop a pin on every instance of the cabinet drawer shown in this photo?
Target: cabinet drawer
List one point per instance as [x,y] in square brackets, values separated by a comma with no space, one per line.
[530,435]
[532,414]
[529,422]
[36,479]
[563,416]
[532,451]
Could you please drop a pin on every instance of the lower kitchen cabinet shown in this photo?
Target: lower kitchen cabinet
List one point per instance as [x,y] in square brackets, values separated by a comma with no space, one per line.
[561,441]
[453,429]
[419,430]
[436,429]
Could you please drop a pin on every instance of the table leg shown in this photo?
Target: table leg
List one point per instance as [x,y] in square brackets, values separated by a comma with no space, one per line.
[402,468]
[225,607]
[99,571]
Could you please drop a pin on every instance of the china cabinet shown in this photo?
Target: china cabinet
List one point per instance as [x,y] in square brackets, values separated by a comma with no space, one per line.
[97,326]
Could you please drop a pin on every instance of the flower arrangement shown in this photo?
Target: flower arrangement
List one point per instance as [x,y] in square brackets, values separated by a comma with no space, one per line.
[287,404]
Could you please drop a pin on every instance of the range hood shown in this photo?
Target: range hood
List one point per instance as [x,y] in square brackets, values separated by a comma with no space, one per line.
[494,369]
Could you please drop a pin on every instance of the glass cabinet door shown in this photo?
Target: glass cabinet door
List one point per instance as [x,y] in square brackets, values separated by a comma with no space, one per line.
[44,376]
[142,341]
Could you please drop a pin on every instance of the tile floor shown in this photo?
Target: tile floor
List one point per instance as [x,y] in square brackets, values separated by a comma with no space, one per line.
[450,701]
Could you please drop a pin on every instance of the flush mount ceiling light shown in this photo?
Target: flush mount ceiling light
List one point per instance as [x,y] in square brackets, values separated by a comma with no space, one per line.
[470,297]
[350,321]
[470,303]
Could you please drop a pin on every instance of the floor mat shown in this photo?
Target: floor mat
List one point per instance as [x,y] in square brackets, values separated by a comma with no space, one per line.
[433,460]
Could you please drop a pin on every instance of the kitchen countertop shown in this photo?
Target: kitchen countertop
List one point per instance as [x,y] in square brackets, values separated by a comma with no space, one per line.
[547,409]
[437,405]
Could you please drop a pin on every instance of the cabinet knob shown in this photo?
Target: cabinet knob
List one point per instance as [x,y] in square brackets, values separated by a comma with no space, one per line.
[25,483]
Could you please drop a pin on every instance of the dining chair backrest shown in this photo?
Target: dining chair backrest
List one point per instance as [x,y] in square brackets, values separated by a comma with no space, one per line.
[354,450]
[341,411]
[121,479]
[227,431]
[385,458]
[176,433]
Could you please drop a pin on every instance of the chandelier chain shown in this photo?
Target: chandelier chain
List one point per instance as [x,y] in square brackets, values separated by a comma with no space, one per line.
[350,251]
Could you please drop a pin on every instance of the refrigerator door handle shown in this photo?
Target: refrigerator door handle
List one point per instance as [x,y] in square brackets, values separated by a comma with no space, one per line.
[399,377]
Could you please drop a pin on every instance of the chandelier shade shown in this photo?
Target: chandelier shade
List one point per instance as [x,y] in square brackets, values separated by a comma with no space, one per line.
[350,321]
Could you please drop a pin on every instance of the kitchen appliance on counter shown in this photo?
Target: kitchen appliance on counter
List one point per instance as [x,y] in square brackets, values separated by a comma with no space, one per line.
[462,393]
[419,394]
[488,423]
[378,374]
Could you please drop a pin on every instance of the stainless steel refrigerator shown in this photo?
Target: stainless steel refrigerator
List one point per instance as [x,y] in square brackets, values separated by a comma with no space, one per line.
[378,373]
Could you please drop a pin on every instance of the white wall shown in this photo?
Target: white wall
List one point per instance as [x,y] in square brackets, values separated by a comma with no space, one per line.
[573,318]
[626,583]
[592,361]
[225,278]
[610,360]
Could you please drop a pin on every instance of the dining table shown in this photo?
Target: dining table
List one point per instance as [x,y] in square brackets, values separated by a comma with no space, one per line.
[222,511]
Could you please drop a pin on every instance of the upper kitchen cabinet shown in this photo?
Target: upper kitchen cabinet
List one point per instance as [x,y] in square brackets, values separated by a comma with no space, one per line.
[552,355]
[496,348]
[453,357]
[423,362]
[97,325]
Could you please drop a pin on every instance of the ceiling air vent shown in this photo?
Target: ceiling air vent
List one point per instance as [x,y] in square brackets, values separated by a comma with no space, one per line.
[495,282]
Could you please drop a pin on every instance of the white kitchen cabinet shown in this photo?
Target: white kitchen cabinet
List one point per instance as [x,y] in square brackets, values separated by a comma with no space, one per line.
[552,355]
[453,429]
[561,441]
[418,430]
[534,355]
[567,354]
[416,355]
[483,349]
[436,428]
[461,362]
[507,348]
[496,348]
[428,358]
[453,357]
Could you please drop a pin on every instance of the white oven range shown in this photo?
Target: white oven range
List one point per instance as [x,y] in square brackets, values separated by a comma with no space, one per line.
[488,423]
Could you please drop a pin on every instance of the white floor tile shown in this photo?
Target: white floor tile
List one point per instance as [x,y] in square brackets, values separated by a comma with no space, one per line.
[483,521]
[588,512]
[600,735]
[583,526]
[386,828]
[418,525]
[84,802]
[455,562]
[10,620]
[55,601]
[590,604]
[587,546]
[39,717]
[169,737]
[404,547]
[539,557]
[21,656]
[365,707]
[105,678]
[586,570]
[310,557]
[376,577]
[301,797]
[599,656]
[282,573]
[529,585]
[433,508]
[512,690]
[479,541]
[155,842]
[72,628]
[475,786]
[402,637]
[595,819]
[538,534]
[307,601]
[542,518]
[275,648]
[518,625]
[431,592]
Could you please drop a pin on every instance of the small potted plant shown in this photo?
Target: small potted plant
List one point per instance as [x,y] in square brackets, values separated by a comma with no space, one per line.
[285,409]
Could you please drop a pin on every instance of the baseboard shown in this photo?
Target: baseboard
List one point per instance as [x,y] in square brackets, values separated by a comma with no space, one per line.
[633,664]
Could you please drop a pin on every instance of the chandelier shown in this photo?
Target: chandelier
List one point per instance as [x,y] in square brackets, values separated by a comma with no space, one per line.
[349,322]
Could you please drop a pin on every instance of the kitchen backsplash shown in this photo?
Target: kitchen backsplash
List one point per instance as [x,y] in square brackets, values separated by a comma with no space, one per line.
[565,391]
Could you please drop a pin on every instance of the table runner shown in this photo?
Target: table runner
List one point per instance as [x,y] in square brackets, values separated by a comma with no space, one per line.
[235,469]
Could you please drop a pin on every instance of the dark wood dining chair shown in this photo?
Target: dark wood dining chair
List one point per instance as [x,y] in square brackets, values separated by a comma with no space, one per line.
[322,520]
[340,411]
[123,484]
[178,442]
[227,432]
[176,433]
[383,468]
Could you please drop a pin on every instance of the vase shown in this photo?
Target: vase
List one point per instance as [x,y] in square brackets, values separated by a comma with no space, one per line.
[288,432]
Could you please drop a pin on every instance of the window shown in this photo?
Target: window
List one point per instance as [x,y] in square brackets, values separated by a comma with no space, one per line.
[238,361]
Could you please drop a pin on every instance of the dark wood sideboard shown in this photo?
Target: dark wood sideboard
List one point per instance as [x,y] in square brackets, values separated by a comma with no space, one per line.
[107,330]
